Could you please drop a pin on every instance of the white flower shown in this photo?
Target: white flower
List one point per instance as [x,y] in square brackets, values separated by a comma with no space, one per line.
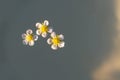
[29,38]
[43,29]
[56,41]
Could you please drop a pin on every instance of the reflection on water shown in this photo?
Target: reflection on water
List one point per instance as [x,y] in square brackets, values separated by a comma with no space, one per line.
[110,67]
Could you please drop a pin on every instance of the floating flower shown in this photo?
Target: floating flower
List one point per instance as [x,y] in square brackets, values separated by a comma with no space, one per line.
[56,41]
[29,38]
[43,28]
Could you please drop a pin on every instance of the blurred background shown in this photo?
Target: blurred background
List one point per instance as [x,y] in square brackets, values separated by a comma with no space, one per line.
[86,24]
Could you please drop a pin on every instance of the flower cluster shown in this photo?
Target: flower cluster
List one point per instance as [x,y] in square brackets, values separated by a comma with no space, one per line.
[55,40]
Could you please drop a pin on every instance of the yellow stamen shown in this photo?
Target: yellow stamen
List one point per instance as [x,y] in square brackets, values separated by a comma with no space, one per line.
[43,28]
[29,37]
[56,40]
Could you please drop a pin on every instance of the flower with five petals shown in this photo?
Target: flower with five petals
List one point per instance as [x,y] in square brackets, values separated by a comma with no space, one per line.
[43,29]
[29,38]
[56,41]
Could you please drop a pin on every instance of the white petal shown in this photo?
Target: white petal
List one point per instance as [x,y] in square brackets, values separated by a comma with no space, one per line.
[38,25]
[25,42]
[50,30]
[54,47]
[53,34]
[49,41]
[38,32]
[23,35]
[46,22]
[31,43]
[35,37]
[29,31]
[61,44]
[61,37]
[44,34]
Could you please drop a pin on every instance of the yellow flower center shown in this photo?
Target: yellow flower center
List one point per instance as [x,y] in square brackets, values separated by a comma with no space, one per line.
[56,41]
[43,28]
[29,37]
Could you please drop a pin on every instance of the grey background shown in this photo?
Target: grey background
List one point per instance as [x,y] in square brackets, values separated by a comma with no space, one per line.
[86,24]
